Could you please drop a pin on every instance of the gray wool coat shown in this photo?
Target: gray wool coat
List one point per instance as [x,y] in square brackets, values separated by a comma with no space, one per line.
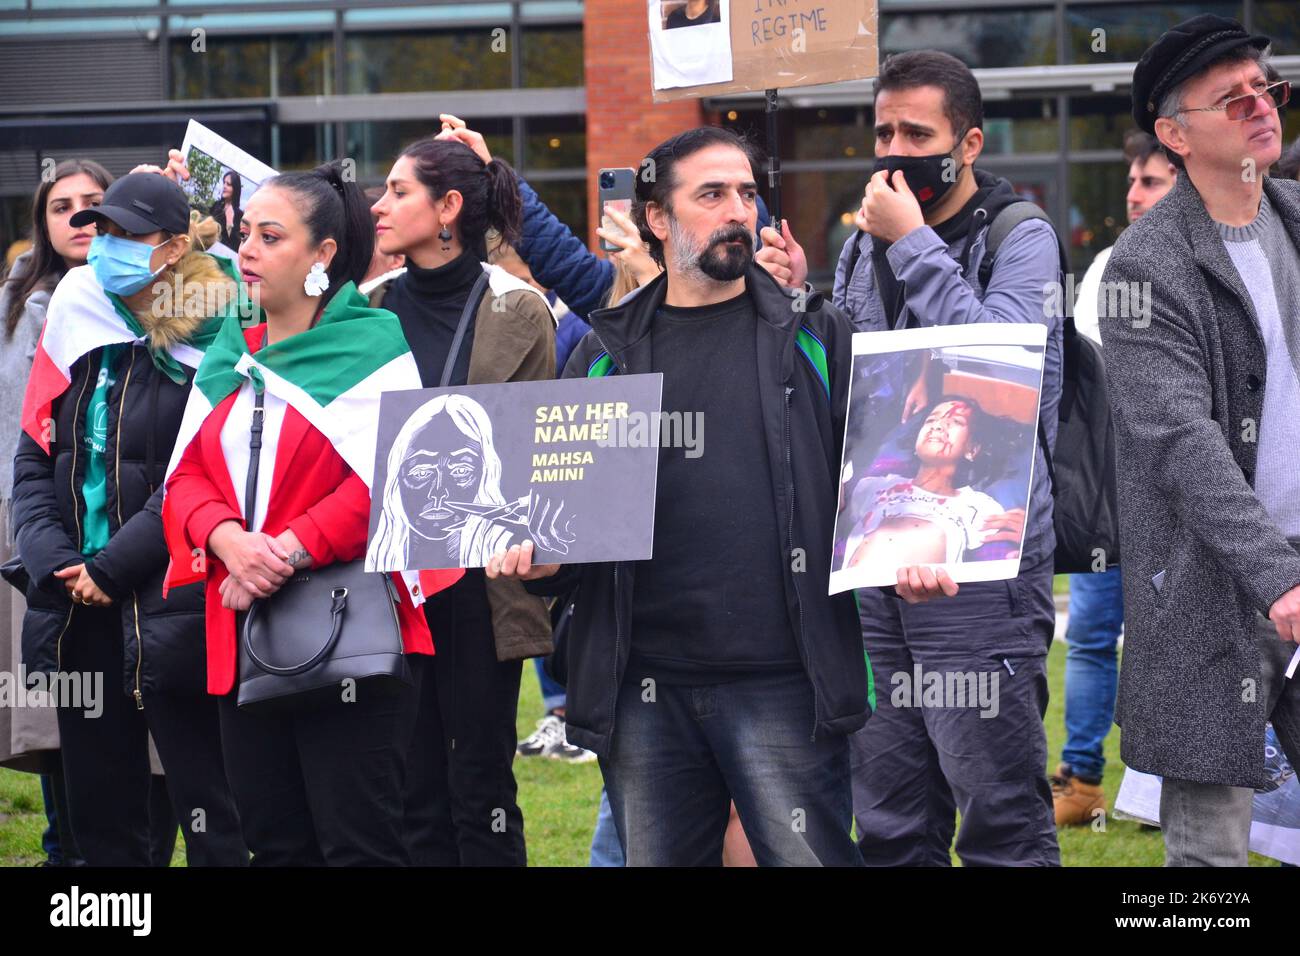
[1200,554]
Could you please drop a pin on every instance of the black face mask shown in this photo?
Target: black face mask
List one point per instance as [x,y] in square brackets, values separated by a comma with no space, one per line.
[925,175]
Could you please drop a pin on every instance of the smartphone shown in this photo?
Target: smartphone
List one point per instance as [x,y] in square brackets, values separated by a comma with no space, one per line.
[617,187]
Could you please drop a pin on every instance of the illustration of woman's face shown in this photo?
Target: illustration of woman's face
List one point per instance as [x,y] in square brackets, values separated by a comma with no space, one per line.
[945,436]
[442,464]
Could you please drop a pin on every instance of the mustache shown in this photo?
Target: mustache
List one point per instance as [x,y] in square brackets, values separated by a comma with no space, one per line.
[732,233]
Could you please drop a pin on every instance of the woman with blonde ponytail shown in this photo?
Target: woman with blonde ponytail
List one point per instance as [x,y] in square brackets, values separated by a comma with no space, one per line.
[102,409]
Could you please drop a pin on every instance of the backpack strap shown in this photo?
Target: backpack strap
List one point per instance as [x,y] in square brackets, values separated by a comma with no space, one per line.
[855,253]
[1007,219]
[1047,456]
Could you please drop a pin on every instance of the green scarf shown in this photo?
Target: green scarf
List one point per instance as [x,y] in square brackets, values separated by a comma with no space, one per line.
[348,343]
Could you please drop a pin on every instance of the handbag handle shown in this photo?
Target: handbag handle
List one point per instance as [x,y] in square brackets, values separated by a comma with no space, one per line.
[339,602]
[254,457]
[471,305]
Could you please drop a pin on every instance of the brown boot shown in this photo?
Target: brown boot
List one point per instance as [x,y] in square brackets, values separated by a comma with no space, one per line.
[1074,800]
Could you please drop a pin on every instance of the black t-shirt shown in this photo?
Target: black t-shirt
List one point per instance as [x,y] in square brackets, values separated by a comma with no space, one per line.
[678,17]
[710,605]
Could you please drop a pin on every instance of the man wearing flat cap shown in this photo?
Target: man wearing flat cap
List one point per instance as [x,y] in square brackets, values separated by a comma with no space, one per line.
[1202,353]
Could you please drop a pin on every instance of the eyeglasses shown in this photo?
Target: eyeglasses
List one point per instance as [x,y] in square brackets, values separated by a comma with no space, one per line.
[1241,107]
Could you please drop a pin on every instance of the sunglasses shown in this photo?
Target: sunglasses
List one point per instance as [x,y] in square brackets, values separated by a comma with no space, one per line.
[1241,107]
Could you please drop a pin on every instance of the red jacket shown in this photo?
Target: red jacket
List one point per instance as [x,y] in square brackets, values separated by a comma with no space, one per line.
[313,492]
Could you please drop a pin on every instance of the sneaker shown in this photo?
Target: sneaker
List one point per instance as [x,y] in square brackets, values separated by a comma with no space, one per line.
[1075,801]
[550,729]
[563,750]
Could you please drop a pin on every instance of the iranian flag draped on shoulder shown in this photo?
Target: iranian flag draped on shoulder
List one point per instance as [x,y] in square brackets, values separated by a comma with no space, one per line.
[332,374]
[82,317]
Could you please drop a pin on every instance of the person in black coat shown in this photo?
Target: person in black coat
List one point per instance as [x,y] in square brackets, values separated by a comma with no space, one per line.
[227,211]
[87,515]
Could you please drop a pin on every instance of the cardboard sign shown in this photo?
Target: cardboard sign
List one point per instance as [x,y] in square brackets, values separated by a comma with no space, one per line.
[463,473]
[775,44]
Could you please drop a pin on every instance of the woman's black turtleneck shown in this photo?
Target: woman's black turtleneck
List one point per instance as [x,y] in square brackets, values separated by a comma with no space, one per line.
[429,303]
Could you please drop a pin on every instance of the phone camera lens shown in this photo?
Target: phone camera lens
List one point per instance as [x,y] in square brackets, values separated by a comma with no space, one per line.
[607,180]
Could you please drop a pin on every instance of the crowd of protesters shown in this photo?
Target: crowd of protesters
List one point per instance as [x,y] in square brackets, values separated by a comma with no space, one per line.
[141,529]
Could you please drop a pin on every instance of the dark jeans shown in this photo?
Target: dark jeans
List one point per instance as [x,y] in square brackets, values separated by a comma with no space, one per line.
[321,786]
[921,758]
[461,799]
[679,760]
[106,760]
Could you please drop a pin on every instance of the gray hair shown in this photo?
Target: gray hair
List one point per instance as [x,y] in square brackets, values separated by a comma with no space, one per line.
[1171,105]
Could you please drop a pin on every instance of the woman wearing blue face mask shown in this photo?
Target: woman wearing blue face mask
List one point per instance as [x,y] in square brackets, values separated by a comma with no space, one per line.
[103,405]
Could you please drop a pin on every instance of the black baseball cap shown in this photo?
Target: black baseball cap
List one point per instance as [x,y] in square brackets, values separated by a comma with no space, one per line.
[141,203]
[1182,52]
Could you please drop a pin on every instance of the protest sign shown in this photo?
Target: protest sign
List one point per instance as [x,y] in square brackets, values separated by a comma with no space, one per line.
[222,179]
[462,473]
[1275,811]
[938,452]
[710,47]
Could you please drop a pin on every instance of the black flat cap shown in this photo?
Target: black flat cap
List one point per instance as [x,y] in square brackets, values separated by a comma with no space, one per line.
[1181,52]
[141,203]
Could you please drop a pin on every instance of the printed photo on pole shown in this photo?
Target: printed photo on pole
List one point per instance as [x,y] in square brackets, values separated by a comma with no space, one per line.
[938,452]
[690,42]
[463,473]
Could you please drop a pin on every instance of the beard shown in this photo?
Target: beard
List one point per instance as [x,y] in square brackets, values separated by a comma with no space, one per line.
[712,258]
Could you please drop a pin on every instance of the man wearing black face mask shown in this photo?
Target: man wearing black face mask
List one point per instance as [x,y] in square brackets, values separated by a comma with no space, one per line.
[916,262]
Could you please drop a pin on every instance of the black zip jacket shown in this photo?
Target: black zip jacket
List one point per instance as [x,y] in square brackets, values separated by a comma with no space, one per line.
[163,640]
[803,418]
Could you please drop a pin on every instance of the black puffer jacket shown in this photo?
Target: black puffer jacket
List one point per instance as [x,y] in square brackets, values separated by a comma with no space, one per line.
[164,640]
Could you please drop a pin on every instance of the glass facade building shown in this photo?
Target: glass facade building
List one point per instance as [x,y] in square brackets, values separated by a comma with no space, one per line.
[300,81]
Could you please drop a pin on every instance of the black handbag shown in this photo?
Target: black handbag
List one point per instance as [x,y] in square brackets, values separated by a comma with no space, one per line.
[327,635]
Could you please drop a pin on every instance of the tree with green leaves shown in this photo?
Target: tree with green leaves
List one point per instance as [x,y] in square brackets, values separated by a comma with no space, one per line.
[202,186]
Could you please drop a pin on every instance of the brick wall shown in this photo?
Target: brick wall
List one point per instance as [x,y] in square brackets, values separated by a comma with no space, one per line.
[623,121]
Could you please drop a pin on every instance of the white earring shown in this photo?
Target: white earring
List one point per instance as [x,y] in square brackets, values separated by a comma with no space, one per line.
[317,281]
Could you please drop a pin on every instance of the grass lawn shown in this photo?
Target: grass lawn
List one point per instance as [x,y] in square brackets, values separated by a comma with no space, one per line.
[560,800]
